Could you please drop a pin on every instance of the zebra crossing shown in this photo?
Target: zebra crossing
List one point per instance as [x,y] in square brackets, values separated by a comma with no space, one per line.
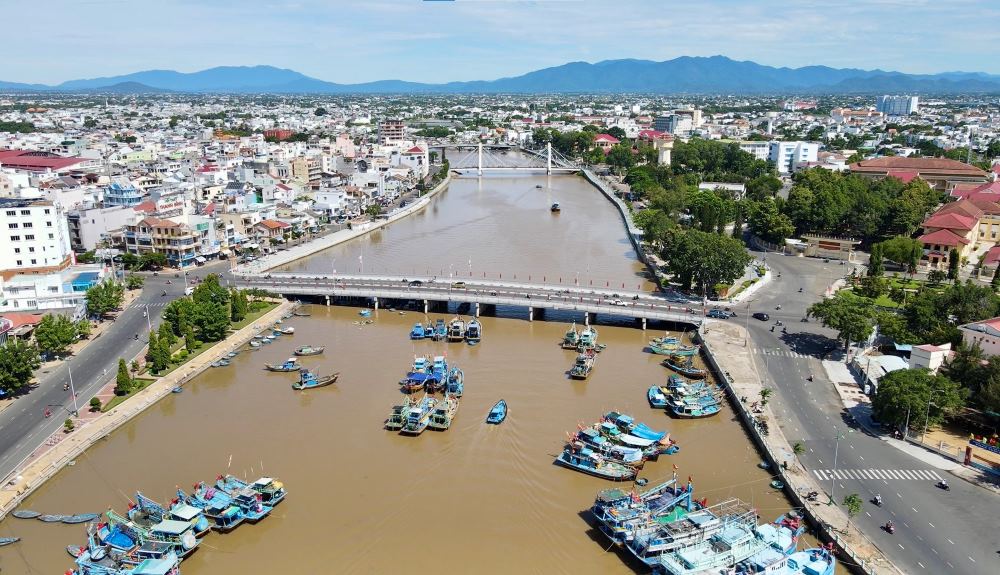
[779,353]
[884,474]
[139,305]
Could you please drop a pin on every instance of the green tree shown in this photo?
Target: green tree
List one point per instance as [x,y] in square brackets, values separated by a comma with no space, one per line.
[995,282]
[373,210]
[902,250]
[54,334]
[179,313]
[851,315]
[18,361]
[89,122]
[133,281]
[620,156]
[123,380]
[166,334]
[320,111]
[768,223]
[935,277]
[763,187]
[915,393]
[83,328]
[212,321]
[151,348]
[876,269]
[705,259]
[95,404]
[190,343]
[129,261]
[239,306]
[853,505]
[152,261]
[86,257]
[954,260]
[105,297]
[616,132]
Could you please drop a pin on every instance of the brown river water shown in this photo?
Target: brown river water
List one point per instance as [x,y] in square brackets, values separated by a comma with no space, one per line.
[473,499]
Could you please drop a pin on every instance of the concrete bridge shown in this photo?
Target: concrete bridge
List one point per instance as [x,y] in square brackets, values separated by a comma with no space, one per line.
[534,297]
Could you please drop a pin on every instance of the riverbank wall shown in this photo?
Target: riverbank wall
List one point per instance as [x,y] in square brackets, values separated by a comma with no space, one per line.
[307,249]
[727,352]
[38,471]
[635,234]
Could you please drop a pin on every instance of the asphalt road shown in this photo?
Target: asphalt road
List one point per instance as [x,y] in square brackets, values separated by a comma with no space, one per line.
[937,531]
[23,425]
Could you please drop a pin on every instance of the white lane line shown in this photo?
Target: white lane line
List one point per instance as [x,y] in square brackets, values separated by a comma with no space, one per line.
[934,550]
[898,495]
[861,457]
[921,565]
[950,541]
[868,514]
[914,509]
[971,559]
[932,525]
[900,545]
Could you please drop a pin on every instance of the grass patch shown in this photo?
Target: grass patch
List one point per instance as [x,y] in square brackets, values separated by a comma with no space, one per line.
[254,315]
[173,366]
[886,301]
[141,384]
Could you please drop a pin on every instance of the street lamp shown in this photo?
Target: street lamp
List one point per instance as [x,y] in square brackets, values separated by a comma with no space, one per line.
[72,389]
[148,324]
[833,476]
[928,417]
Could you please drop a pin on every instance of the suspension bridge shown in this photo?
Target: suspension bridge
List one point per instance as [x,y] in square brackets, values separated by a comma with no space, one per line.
[493,158]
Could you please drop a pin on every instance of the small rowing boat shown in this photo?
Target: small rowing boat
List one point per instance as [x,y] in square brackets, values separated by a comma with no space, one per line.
[8,540]
[25,514]
[687,369]
[291,364]
[498,413]
[308,380]
[306,350]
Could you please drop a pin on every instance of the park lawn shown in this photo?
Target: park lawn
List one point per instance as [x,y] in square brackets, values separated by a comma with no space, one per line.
[143,383]
[253,316]
[886,301]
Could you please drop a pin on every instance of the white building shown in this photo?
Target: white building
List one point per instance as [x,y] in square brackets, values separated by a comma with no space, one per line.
[787,156]
[760,150]
[87,227]
[985,334]
[60,290]
[898,105]
[36,239]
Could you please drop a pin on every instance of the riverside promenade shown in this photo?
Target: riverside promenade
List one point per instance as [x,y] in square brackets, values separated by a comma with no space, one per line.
[727,350]
[46,461]
[306,249]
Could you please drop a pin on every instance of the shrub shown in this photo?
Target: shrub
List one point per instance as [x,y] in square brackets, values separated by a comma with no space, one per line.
[95,404]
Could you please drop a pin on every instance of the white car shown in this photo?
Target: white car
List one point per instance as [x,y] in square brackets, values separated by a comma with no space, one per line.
[619,302]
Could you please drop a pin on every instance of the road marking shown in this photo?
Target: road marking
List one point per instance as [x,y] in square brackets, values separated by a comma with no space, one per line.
[932,525]
[934,550]
[971,559]
[900,545]
[950,541]
[868,514]
[898,495]
[921,565]
[914,509]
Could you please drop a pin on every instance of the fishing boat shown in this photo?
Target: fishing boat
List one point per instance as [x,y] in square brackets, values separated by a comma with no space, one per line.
[365,313]
[572,338]
[666,339]
[590,437]
[687,369]
[692,410]
[587,461]
[555,208]
[418,331]
[291,364]
[814,561]
[268,339]
[583,365]
[177,389]
[8,540]
[271,490]
[26,514]
[652,448]
[80,518]
[309,380]
[703,397]
[306,350]
[249,502]
[674,349]
[440,330]
[498,413]
[588,339]
[456,382]
[117,537]
[397,417]
[439,374]
[419,416]
[628,425]
[619,512]
[444,413]
[178,536]
[456,330]
[255,343]
[289,330]
[300,313]
[657,399]
[217,507]
[415,381]
[474,332]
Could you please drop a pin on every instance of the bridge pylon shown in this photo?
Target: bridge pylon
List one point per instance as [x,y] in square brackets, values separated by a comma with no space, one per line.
[480,158]
[548,157]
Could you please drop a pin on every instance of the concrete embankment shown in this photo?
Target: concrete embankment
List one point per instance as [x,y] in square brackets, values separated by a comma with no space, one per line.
[727,352]
[39,470]
[300,251]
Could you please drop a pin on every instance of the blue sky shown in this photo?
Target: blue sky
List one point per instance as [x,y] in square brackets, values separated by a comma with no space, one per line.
[364,40]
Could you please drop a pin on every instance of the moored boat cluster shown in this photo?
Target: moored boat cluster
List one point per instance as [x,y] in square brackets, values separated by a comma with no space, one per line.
[614,448]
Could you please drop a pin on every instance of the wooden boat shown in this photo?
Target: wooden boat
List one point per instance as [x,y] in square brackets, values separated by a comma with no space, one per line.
[255,343]
[308,380]
[657,399]
[474,332]
[587,461]
[456,330]
[26,514]
[687,369]
[4,541]
[572,338]
[271,490]
[291,364]
[444,413]
[52,518]
[583,365]
[419,416]
[397,417]
[221,363]
[418,331]
[555,209]
[591,438]
[414,382]
[306,350]
[440,330]
[80,518]
[456,382]
[674,349]
[688,410]
[498,413]
[298,313]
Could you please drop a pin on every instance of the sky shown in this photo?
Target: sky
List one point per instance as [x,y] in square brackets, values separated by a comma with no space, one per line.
[439,41]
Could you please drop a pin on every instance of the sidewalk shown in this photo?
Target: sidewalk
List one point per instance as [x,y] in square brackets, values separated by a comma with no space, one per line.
[725,351]
[61,448]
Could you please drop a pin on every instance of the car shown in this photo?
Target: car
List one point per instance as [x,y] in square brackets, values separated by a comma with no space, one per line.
[493,292]
[719,314]
[761,316]
[416,283]
[458,285]
[619,302]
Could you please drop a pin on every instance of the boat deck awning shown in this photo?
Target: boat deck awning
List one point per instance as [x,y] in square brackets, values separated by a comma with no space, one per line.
[171,527]
[156,566]
[185,512]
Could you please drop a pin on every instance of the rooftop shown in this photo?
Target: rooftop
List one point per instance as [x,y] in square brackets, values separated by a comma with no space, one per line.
[943,237]
[919,165]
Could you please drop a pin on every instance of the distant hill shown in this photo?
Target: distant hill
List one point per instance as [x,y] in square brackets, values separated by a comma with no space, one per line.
[703,75]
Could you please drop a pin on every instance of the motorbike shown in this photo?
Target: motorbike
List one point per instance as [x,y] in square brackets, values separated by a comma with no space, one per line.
[877,500]
[164,293]
[800,290]
[812,495]
[890,528]
[943,485]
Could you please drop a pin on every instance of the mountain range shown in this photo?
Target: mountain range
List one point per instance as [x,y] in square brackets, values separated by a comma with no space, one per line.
[684,75]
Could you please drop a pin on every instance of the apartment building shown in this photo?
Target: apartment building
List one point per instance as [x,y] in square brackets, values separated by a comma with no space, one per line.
[390,130]
[89,226]
[37,237]
[177,241]
[121,192]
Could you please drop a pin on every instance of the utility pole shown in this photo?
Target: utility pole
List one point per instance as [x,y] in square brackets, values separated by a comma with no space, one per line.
[72,389]
[149,324]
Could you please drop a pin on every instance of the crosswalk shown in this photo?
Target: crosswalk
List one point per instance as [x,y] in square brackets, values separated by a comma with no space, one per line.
[870,474]
[137,304]
[779,353]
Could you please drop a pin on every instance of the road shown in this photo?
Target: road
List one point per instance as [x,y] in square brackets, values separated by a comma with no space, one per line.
[937,531]
[23,425]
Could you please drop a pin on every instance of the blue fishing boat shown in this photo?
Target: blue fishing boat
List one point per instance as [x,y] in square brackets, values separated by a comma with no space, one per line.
[217,506]
[571,339]
[419,416]
[26,514]
[439,373]
[418,331]
[164,536]
[657,399]
[814,561]
[590,437]
[588,339]
[309,380]
[365,313]
[619,513]
[415,381]
[307,350]
[674,348]
[440,330]
[692,410]
[8,540]
[456,382]
[703,398]
[498,413]
[290,364]
[271,490]
[251,504]
[118,537]
[628,425]
[587,461]
[474,332]
[686,369]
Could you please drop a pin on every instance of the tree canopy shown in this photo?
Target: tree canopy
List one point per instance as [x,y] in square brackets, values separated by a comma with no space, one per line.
[54,333]
[18,361]
[704,259]
[105,297]
[851,315]
[907,393]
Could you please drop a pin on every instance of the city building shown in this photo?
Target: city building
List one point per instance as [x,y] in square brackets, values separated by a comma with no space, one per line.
[940,173]
[898,105]
[89,226]
[176,241]
[788,156]
[121,192]
[37,237]
[605,141]
[390,130]
[62,290]
[930,357]
[46,162]
[985,334]
[760,150]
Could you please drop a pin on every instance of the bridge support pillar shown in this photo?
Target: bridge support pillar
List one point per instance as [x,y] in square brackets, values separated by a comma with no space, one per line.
[477,309]
[588,317]
[531,314]
[643,324]
[548,157]
[426,307]
[376,303]
[327,301]
[480,158]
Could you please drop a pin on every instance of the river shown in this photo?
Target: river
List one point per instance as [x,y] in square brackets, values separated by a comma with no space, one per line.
[474,499]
